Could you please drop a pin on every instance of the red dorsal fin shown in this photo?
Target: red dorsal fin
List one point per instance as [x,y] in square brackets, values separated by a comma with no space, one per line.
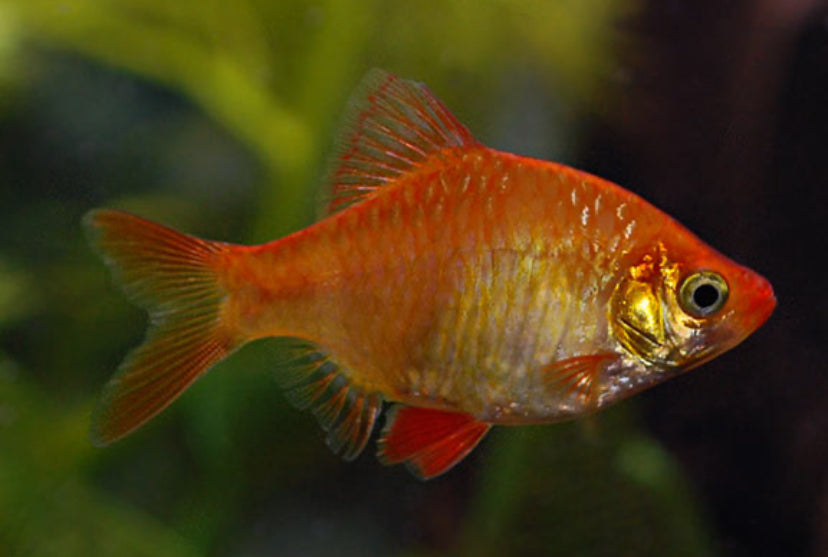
[576,376]
[391,126]
[429,441]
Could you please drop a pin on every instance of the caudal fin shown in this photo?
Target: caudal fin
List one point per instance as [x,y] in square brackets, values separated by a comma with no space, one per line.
[173,276]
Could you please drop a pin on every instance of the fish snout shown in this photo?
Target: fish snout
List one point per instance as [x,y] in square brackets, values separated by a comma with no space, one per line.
[755,298]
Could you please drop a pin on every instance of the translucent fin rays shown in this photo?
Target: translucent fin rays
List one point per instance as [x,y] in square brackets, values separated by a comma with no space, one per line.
[344,411]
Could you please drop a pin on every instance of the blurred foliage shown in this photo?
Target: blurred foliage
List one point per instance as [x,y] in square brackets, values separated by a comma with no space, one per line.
[217,117]
[275,74]
[46,503]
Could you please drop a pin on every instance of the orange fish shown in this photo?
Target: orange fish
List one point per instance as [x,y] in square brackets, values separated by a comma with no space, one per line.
[467,286]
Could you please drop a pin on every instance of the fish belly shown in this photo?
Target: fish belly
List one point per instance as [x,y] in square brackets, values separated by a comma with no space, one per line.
[468,331]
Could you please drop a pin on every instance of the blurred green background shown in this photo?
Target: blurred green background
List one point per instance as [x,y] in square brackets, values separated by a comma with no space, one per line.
[218,118]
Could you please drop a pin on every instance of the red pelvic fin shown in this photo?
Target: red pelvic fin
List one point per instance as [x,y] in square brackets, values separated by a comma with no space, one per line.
[172,275]
[391,126]
[429,441]
[576,376]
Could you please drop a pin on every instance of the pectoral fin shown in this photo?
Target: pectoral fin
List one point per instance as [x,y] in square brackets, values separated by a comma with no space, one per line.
[576,376]
[429,441]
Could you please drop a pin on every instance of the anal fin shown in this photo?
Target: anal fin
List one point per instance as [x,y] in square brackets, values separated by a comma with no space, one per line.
[429,441]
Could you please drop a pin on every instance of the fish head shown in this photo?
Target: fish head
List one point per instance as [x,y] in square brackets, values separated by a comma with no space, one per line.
[681,304]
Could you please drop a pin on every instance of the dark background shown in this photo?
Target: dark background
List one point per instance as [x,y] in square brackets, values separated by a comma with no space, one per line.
[218,120]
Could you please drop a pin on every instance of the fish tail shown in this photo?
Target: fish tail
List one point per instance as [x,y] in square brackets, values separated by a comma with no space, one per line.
[176,278]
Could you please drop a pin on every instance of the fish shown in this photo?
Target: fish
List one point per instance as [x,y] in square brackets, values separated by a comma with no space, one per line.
[454,285]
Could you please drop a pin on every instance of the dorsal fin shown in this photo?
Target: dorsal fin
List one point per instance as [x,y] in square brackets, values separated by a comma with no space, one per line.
[391,126]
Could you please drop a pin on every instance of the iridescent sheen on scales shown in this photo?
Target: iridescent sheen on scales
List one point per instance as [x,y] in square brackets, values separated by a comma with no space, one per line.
[467,286]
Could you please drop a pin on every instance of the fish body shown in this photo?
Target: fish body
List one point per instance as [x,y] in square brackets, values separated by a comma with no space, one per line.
[457,286]
[468,286]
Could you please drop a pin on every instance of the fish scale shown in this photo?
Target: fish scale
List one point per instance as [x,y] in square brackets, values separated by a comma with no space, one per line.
[478,364]
[465,286]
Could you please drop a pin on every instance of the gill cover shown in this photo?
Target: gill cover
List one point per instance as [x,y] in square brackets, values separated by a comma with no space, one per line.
[646,316]
[635,312]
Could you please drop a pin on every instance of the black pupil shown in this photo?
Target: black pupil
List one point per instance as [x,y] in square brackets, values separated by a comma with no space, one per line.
[705,296]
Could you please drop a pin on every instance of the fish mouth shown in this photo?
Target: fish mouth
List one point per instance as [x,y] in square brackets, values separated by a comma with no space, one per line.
[719,340]
[756,305]
[758,301]
[710,349]
[766,310]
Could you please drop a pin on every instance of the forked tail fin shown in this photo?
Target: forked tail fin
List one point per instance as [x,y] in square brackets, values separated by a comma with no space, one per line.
[174,277]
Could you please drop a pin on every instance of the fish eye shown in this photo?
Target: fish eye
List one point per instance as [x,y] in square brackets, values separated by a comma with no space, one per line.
[703,293]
